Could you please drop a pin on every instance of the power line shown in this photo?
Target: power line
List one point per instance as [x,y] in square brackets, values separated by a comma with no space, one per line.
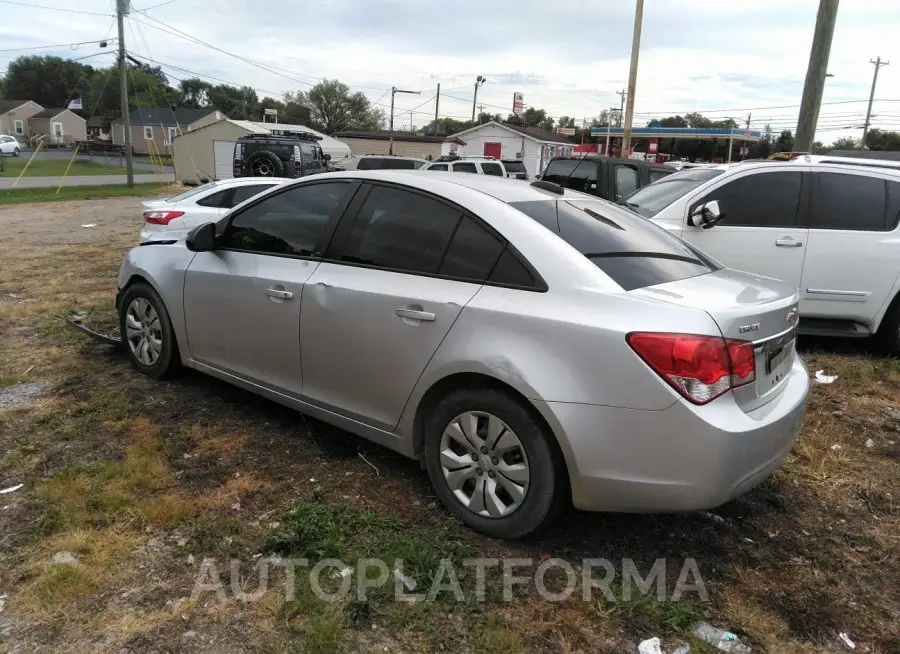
[69,11]
[71,46]
[161,4]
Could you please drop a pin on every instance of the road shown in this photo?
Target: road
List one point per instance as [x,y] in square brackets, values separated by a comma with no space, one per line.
[82,180]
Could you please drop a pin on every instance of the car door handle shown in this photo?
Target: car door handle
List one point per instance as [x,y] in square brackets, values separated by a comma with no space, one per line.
[414,314]
[279,293]
[788,243]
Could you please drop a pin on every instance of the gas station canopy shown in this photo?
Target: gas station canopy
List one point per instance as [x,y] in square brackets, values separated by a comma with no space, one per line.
[680,133]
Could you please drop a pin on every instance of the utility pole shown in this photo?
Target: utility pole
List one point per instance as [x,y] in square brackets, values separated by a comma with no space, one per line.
[437,102]
[395,91]
[816,72]
[478,82]
[632,76]
[744,146]
[878,63]
[621,95]
[122,8]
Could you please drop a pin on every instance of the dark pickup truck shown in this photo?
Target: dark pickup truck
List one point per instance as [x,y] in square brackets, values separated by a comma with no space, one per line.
[610,179]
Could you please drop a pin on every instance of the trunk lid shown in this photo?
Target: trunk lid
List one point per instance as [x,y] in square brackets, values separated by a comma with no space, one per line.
[748,308]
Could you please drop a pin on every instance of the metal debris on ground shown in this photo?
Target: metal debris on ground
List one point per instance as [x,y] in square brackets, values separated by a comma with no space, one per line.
[11,489]
[846,640]
[822,378]
[650,646]
[89,225]
[722,640]
[870,443]
[371,465]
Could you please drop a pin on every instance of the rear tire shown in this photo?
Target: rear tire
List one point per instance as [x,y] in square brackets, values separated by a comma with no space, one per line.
[888,334]
[16,152]
[147,332]
[481,481]
[264,163]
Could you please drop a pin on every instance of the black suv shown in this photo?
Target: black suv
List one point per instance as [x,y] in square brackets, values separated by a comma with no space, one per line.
[281,153]
[610,179]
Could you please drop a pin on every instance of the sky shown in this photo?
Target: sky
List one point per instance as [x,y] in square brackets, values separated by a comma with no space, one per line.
[569,57]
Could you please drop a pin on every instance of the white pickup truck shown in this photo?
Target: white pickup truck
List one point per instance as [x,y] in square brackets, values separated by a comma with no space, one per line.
[827,224]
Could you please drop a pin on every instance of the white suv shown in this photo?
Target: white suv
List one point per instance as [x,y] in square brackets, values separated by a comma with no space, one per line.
[827,224]
[470,165]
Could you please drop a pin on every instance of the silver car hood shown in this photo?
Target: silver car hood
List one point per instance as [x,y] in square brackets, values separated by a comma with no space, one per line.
[745,306]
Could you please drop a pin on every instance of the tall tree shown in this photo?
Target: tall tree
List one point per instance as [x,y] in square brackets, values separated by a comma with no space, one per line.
[845,143]
[194,93]
[785,142]
[878,139]
[565,121]
[446,126]
[333,107]
[270,103]
[50,81]
[234,102]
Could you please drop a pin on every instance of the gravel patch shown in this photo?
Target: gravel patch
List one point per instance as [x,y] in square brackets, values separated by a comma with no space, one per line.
[20,395]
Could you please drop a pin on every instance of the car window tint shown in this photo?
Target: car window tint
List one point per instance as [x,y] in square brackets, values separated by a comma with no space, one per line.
[509,271]
[893,208]
[658,174]
[247,191]
[217,200]
[306,153]
[291,222]
[197,190]
[633,251]
[492,169]
[514,166]
[473,252]
[438,167]
[626,181]
[370,163]
[400,230]
[653,198]
[764,199]
[855,202]
[464,168]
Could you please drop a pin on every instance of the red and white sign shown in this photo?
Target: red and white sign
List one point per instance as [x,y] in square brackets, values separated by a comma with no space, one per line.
[565,131]
[518,103]
[653,147]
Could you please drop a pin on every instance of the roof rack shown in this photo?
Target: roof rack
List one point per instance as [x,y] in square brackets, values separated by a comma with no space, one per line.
[300,136]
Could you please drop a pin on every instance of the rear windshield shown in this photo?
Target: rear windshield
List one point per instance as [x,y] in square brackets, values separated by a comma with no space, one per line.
[387,163]
[514,167]
[559,170]
[203,188]
[634,252]
[652,199]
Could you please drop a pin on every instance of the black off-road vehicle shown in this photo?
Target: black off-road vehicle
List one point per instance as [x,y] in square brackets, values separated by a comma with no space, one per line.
[281,153]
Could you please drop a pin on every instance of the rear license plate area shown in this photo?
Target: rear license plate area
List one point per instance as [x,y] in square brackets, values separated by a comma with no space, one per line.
[777,355]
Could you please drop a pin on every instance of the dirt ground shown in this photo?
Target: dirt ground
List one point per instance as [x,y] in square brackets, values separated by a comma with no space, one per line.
[131,484]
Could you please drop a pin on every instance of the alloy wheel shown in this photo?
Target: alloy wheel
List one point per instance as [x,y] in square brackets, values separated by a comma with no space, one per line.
[262,168]
[484,464]
[143,331]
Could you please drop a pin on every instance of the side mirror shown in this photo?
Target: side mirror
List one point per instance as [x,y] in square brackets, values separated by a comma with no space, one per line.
[327,157]
[706,215]
[202,238]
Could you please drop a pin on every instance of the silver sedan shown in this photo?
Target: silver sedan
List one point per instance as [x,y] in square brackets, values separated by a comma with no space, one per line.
[533,346]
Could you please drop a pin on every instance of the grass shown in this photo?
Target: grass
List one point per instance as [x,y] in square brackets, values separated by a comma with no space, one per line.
[68,193]
[46,167]
[142,480]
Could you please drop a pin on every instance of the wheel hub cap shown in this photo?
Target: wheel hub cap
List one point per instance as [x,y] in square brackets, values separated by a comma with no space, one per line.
[143,331]
[484,464]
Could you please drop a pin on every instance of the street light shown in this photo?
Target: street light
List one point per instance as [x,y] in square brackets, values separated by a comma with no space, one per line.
[478,82]
[395,91]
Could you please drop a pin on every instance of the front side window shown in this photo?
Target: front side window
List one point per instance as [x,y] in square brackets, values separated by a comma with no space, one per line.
[626,181]
[437,167]
[288,223]
[465,168]
[306,153]
[854,202]
[653,198]
[764,199]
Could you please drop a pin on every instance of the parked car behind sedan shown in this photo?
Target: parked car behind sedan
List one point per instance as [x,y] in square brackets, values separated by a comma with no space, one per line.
[198,205]
[9,145]
[530,344]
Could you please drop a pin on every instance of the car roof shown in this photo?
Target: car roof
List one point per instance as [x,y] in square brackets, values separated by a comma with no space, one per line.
[501,188]
[237,181]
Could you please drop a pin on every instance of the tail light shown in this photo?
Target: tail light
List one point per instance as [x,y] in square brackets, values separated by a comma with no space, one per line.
[701,368]
[161,217]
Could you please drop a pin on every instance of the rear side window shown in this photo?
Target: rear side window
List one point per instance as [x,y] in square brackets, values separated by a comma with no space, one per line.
[633,251]
[764,199]
[246,192]
[626,181]
[464,168]
[492,169]
[370,163]
[853,202]
[437,167]
[306,153]
[473,252]
[514,166]
[217,200]
[575,169]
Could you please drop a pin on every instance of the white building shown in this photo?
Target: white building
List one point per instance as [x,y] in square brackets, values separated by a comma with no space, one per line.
[506,141]
[209,151]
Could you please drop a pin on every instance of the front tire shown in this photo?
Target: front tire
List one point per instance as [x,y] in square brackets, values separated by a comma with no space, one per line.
[889,331]
[16,152]
[492,463]
[147,332]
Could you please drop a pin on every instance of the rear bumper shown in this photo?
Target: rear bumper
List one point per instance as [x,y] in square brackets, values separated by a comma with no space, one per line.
[682,458]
